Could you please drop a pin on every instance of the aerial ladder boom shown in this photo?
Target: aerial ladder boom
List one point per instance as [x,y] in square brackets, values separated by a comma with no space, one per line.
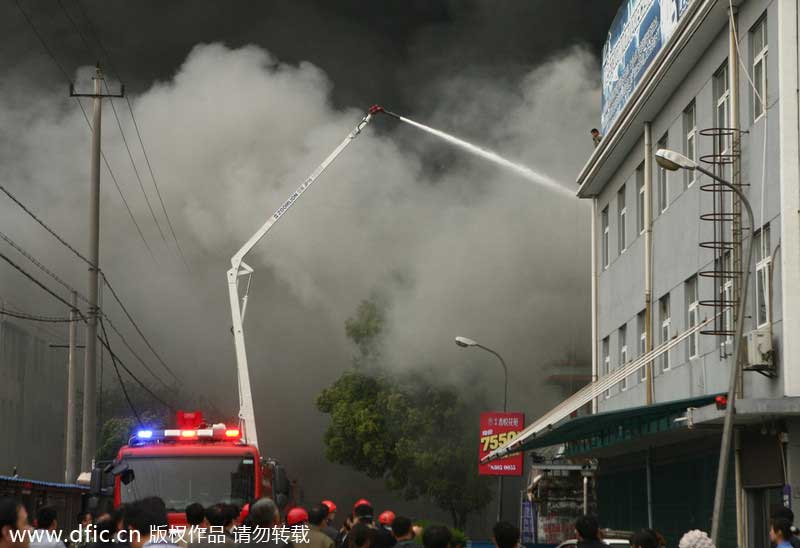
[240,269]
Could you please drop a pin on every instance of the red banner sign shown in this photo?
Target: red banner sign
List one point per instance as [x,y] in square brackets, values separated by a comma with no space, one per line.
[497,429]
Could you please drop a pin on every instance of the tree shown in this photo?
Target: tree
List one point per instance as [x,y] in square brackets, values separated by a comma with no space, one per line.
[404,428]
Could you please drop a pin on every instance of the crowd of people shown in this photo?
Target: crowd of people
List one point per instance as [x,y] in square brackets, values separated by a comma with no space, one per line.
[782,534]
[144,524]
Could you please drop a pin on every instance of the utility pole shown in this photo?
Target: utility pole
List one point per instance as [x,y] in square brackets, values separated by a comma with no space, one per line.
[71,468]
[89,429]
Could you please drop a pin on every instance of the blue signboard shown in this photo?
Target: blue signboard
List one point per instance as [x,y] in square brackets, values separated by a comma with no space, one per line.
[639,31]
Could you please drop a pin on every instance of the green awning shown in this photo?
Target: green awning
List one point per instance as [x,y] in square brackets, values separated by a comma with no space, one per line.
[583,434]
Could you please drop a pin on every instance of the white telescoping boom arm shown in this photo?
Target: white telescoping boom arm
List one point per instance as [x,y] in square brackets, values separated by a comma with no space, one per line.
[240,268]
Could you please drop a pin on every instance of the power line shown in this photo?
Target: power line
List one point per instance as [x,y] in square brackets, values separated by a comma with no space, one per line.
[71,289]
[135,125]
[96,37]
[135,169]
[34,317]
[136,326]
[134,377]
[155,184]
[116,184]
[69,79]
[119,376]
[43,225]
[105,279]
[83,318]
[74,25]
[132,351]
[41,267]
[41,40]
[119,189]
[40,284]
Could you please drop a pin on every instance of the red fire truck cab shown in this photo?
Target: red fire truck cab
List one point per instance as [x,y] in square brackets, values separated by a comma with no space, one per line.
[195,462]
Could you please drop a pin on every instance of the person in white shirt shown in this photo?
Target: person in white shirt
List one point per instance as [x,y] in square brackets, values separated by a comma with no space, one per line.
[46,525]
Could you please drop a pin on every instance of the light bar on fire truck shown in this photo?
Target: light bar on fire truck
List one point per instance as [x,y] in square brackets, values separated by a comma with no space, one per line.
[217,432]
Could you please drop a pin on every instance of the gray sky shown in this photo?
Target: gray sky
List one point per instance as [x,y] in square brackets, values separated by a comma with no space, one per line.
[237,102]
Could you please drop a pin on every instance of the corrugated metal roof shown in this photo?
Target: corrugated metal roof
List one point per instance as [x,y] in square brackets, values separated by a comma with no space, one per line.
[38,483]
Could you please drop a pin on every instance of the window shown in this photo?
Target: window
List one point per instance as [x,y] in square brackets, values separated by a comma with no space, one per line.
[604,236]
[663,191]
[606,361]
[763,255]
[722,142]
[723,139]
[690,141]
[692,317]
[758,53]
[640,202]
[666,321]
[727,299]
[641,321]
[623,245]
[623,354]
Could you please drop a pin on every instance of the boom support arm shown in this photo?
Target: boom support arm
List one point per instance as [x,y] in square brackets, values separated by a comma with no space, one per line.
[239,268]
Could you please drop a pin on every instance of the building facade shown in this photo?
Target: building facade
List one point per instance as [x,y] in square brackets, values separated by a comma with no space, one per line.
[32,401]
[722,91]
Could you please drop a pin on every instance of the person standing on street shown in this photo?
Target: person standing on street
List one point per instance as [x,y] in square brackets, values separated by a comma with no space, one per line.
[316,519]
[786,513]
[46,524]
[13,517]
[587,531]
[695,539]
[505,535]
[144,517]
[403,532]
[644,539]
[436,536]
[328,528]
[780,532]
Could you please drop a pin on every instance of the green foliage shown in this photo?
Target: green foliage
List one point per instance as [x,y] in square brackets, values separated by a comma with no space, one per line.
[419,437]
[460,538]
[116,432]
[365,328]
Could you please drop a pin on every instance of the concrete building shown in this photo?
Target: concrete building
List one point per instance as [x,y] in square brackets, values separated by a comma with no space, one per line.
[718,82]
[32,400]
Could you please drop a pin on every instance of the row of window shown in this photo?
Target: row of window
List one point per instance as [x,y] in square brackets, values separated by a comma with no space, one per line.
[722,144]
[762,253]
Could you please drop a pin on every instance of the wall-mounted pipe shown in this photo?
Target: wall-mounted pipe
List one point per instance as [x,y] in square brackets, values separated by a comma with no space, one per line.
[648,256]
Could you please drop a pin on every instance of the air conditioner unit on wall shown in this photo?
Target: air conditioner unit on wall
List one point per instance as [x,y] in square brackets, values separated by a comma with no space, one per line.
[759,351]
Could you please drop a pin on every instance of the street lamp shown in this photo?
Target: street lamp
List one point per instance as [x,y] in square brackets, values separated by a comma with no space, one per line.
[464,342]
[673,161]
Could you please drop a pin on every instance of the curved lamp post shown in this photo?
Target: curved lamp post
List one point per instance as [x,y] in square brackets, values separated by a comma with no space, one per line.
[673,161]
[464,342]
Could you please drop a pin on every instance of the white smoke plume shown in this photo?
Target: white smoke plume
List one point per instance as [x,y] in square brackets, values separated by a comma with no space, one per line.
[456,246]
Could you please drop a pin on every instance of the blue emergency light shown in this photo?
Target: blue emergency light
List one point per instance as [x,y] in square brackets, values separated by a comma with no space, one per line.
[144,434]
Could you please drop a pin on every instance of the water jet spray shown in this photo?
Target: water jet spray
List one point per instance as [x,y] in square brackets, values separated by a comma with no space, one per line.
[484,153]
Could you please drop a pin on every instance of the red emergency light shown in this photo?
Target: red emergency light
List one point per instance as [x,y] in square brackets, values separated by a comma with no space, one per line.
[232,433]
[721,401]
[188,420]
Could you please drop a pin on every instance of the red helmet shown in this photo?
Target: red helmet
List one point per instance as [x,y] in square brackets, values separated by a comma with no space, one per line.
[362,502]
[296,516]
[331,506]
[386,518]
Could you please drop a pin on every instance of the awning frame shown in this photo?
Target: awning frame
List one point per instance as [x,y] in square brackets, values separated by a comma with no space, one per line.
[589,392]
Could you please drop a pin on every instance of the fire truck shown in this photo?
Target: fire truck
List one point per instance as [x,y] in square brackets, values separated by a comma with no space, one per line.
[193,462]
